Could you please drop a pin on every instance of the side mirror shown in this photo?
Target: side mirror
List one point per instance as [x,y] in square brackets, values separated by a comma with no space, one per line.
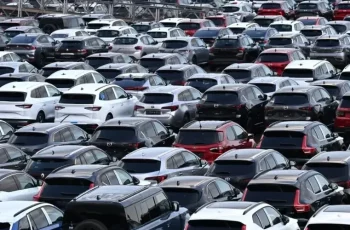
[171,131]
[7,42]
[263,98]
[175,206]
[203,163]
[292,163]
[82,25]
[285,220]
[250,136]
[333,186]
[335,135]
[135,181]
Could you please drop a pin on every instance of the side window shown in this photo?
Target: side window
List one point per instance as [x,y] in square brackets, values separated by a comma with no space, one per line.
[263,165]
[213,190]
[148,130]
[190,159]
[317,133]
[89,78]
[54,214]
[132,217]
[179,160]
[263,219]
[24,224]
[256,220]
[67,135]
[99,155]
[250,94]
[170,164]
[3,156]
[160,130]
[14,154]
[112,178]
[325,94]
[124,177]
[99,78]
[314,185]
[270,161]
[78,133]
[8,184]
[109,93]
[224,188]
[279,158]
[323,182]
[57,137]
[275,217]
[162,204]
[326,132]
[240,133]
[317,96]
[104,180]
[120,93]
[23,69]
[38,219]
[89,157]
[196,95]
[230,134]
[25,181]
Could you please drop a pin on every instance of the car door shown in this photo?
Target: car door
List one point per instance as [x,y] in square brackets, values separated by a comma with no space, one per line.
[54,215]
[9,185]
[43,102]
[321,140]
[319,198]
[28,187]
[14,158]
[258,104]
[241,138]
[334,144]
[126,103]
[329,107]
[101,157]
[54,95]
[225,189]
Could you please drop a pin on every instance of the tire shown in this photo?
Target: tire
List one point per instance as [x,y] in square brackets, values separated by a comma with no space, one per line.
[194,60]
[109,116]
[91,225]
[40,118]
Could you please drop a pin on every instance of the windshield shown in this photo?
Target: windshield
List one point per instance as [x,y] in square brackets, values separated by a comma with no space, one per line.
[31,138]
[276,194]
[109,73]
[125,41]
[64,187]
[339,28]
[226,98]
[129,83]
[219,22]
[280,41]
[226,43]
[71,98]
[289,99]
[270,6]
[238,73]
[140,165]
[189,26]
[273,139]
[61,83]
[96,26]
[214,225]
[184,196]
[273,57]
[230,9]
[232,168]
[12,96]
[237,30]
[23,39]
[206,33]
[59,35]
[71,45]
[343,6]
[171,76]
[158,34]
[329,170]
[4,70]
[174,44]
[157,98]
[155,63]
[266,88]
[345,102]
[5,80]
[199,137]
[46,164]
[98,61]
[47,71]
[256,33]
[114,134]
[282,27]
[308,22]
[263,22]
[311,33]
[11,34]
[326,42]
[298,73]
[307,6]
[141,28]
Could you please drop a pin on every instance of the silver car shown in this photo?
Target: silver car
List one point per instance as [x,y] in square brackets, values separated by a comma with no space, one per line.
[110,71]
[159,163]
[174,106]
[313,32]
[17,67]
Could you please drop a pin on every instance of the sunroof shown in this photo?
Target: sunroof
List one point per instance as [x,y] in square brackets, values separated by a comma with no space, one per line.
[338,208]
[231,205]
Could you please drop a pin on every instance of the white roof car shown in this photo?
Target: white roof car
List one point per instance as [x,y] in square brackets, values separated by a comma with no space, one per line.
[94,25]
[337,216]
[6,56]
[17,67]
[65,79]
[238,28]
[160,34]
[109,33]
[287,27]
[240,215]
[171,22]
[59,35]
[90,105]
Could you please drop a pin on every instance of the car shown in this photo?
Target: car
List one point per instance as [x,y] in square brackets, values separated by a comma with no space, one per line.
[18,213]
[278,58]
[79,48]
[154,61]
[52,22]
[192,192]
[111,70]
[341,10]
[14,31]
[260,34]
[61,34]
[89,105]
[51,68]
[162,33]
[240,215]
[266,20]
[242,10]
[232,49]
[313,32]
[342,122]
[90,17]
[125,200]
[94,8]
[37,49]
[270,85]
[178,74]
[143,27]
[208,34]
[333,48]
[17,67]
[336,88]
[66,79]
[276,8]
[313,20]
[34,137]
[296,193]
[11,22]
[134,45]
[109,33]
[244,72]
[6,130]
[203,81]
[100,59]
[6,56]
[19,77]
[55,156]
[171,22]
[94,25]
[287,27]
[238,28]
[190,26]
[300,140]
[329,216]
[340,26]
[133,133]
[314,8]
[12,157]
[345,73]
[223,20]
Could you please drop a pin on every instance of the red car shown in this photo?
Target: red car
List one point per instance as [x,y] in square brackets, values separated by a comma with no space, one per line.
[223,20]
[342,119]
[313,20]
[278,58]
[342,10]
[210,139]
[276,8]
[190,26]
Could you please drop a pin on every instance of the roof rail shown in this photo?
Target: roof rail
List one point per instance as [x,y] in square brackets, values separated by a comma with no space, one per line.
[204,205]
[30,206]
[101,87]
[62,167]
[252,206]
[319,210]
[132,194]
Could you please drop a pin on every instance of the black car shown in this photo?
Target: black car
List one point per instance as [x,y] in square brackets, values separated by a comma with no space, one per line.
[301,103]
[67,182]
[244,72]
[242,103]
[314,8]
[56,66]
[194,191]
[119,136]
[239,166]
[48,159]
[79,48]
[203,81]
[154,61]
[336,88]
[12,157]
[18,77]
[100,59]
[34,137]
[334,166]
[300,140]
[51,22]
[6,130]
[295,193]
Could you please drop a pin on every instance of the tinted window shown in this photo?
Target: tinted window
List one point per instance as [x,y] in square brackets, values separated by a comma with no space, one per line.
[157,98]
[8,184]
[114,134]
[281,138]
[141,28]
[158,34]
[282,28]
[189,26]
[59,35]
[225,98]
[129,83]
[183,196]
[201,84]
[5,80]
[48,71]
[59,187]
[171,76]
[45,164]
[98,61]
[327,42]
[230,9]
[22,39]
[309,22]
[273,57]
[226,43]
[23,224]
[298,73]
[256,33]
[232,168]
[31,138]
[280,41]
[198,137]
[4,70]
[107,33]
[339,28]
[311,33]
[273,194]
[38,219]
[329,170]
[307,6]
[238,73]
[214,225]
[174,44]
[289,99]
[266,88]
[12,96]
[219,22]
[345,102]
[152,62]
[71,45]
[54,214]
[206,33]
[264,22]
[140,166]
[25,181]
[328,226]
[68,98]
[109,73]
[332,90]
[270,6]
[125,41]
[343,6]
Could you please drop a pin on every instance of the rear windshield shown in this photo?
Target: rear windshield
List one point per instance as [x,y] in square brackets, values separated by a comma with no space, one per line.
[71,98]
[4,70]
[114,134]
[152,62]
[266,88]
[298,73]
[280,41]
[237,30]
[158,34]
[230,9]
[270,6]
[129,83]
[5,226]
[12,96]
[332,90]
[23,39]
[46,164]
[174,44]
[157,98]
[61,83]
[289,99]
[273,57]
[98,61]
[274,194]
[201,82]
[6,25]
[307,6]
[339,28]
[329,170]
[71,45]
[96,26]
[345,102]
[206,33]
[5,80]
[326,42]
[311,33]
[226,43]
[343,6]
[125,41]
[328,226]
[64,187]
[232,168]
[256,33]
[198,137]
[219,22]
[308,22]
[238,73]
[214,225]
[109,73]
[171,75]
[281,139]
[345,76]
[263,22]
[59,35]
[11,34]
[107,33]
[183,196]
[189,26]
[49,70]
[282,27]
[140,165]
[141,28]
[31,138]
[218,97]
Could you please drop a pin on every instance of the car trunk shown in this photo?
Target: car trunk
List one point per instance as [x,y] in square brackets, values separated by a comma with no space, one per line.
[240,75]
[79,106]
[172,77]
[29,142]
[152,64]
[226,48]
[12,105]
[157,104]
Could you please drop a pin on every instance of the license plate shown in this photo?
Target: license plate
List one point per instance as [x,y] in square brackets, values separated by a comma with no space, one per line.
[74,122]
[67,53]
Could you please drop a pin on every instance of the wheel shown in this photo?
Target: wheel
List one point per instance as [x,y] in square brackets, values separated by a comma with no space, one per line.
[194,60]
[109,116]
[41,117]
[186,119]
[90,225]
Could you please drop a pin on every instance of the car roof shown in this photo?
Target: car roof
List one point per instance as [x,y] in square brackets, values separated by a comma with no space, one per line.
[42,127]
[76,38]
[260,28]
[18,75]
[125,122]
[158,55]
[59,151]
[210,28]
[29,35]
[135,75]
[154,153]
[205,125]
[228,87]
[196,20]
[172,20]
[104,20]
[290,125]
[279,50]
[242,154]
[187,39]
[243,66]
[61,64]
[279,176]
[66,30]
[175,67]
[88,88]
[21,86]
[334,82]
[333,36]
[109,54]
[19,28]
[79,171]
[338,22]
[283,35]
[162,29]
[267,16]
[284,22]
[331,157]
[69,74]
[186,181]
[241,24]
[313,27]
[4,172]
[297,89]
[11,64]
[305,64]
[208,75]
[116,65]
[268,80]
[170,89]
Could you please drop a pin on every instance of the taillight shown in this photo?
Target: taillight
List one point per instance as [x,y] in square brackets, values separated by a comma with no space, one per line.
[340,113]
[25,106]
[30,47]
[136,107]
[268,108]
[37,196]
[306,228]
[344,184]
[157,178]
[135,145]
[308,108]
[83,51]
[136,88]
[171,108]
[241,49]
[92,185]
[59,107]
[244,227]
[244,194]
[94,108]
[306,149]
[138,47]
[186,227]
[300,207]
[219,149]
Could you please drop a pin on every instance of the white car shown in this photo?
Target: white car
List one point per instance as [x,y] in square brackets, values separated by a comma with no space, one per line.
[109,33]
[94,25]
[59,35]
[6,56]
[287,27]
[330,217]
[92,104]
[25,102]
[171,22]
[238,28]
[66,79]
[240,215]
[17,67]
[163,33]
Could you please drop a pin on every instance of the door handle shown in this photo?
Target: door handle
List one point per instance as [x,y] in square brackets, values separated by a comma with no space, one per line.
[193,171]
[180,174]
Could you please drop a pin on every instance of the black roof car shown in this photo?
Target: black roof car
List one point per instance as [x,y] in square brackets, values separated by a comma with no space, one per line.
[312,8]
[12,157]
[56,66]
[97,204]
[51,22]
[340,26]
[15,77]
[193,191]
[100,59]
[37,136]
[336,88]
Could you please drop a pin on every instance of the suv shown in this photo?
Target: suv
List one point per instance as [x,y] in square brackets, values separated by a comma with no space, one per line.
[313,8]
[300,140]
[336,88]
[342,10]
[14,31]
[238,167]
[330,217]
[223,20]
[190,26]
[266,20]
[276,8]
[51,22]
[203,81]
[334,49]
[109,33]
[179,73]
[342,120]
[260,35]
[292,40]
[269,85]
[238,28]
[162,33]
[313,32]
[287,27]
[18,22]
[92,209]
[244,72]
[210,139]
[94,25]
[208,34]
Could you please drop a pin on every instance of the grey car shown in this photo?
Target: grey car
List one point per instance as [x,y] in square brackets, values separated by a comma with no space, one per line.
[110,71]
[17,67]
[314,31]
[159,163]
[174,106]
[14,31]
[193,48]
